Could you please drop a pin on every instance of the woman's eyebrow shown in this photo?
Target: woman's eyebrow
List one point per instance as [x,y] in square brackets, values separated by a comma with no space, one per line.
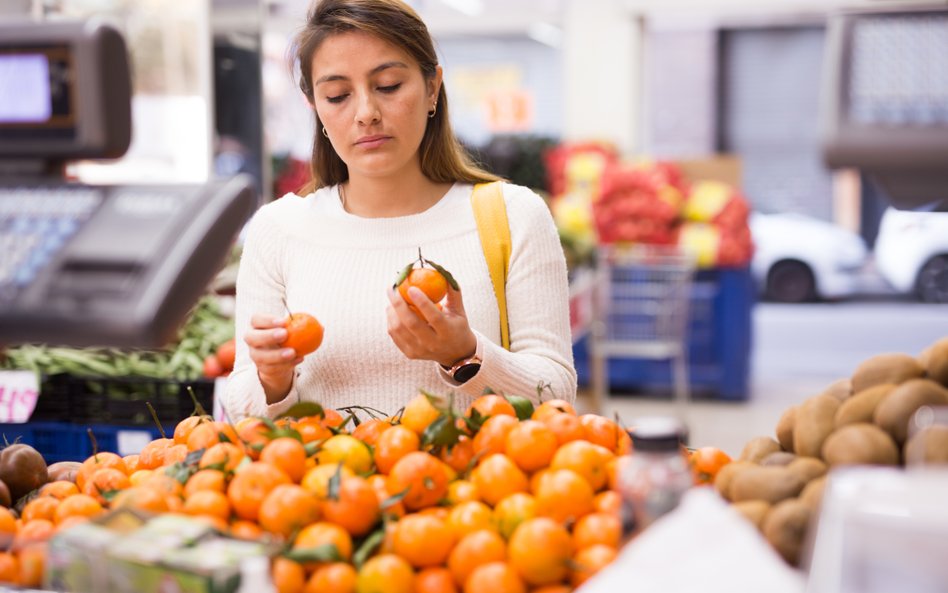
[373,71]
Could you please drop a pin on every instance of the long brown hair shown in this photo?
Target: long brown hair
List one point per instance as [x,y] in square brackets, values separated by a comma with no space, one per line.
[443,160]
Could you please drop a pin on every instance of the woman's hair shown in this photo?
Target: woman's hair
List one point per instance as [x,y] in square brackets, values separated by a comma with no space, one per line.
[442,157]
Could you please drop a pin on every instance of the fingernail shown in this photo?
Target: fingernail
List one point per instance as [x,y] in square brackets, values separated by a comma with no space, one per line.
[416,294]
[279,334]
[288,353]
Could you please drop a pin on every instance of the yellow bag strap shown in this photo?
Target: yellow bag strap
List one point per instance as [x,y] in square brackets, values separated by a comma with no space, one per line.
[490,213]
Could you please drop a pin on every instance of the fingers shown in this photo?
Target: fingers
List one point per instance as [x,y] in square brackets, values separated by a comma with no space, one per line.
[454,302]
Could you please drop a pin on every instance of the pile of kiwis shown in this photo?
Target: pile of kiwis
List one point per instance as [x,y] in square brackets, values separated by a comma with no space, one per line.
[777,483]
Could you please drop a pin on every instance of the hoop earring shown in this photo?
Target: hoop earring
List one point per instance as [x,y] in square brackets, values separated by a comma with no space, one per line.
[325,133]
[434,109]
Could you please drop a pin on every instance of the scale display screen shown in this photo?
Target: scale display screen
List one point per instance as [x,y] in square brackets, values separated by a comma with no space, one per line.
[36,88]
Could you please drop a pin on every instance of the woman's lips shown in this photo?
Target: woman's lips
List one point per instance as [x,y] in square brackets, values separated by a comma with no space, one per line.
[372,141]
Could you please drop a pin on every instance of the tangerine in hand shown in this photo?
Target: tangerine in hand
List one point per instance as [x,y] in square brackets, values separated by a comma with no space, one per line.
[303,333]
[429,277]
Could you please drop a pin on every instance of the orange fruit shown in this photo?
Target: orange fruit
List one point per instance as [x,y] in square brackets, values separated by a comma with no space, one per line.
[222,456]
[303,333]
[601,431]
[531,445]
[206,434]
[551,407]
[422,540]
[287,454]
[226,353]
[251,485]
[141,498]
[462,491]
[434,580]
[424,478]
[492,437]
[563,495]
[8,524]
[379,484]
[71,521]
[458,456]
[512,511]
[347,450]
[99,461]
[334,577]
[164,484]
[208,503]
[31,532]
[331,418]
[286,508]
[429,281]
[43,507]
[317,479]
[254,434]
[566,427]
[205,479]
[32,561]
[355,506]
[473,550]
[288,576]
[393,444]
[419,414]
[131,463]
[498,477]
[246,530]
[494,577]
[175,454]
[386,573]
[586,459]
[552,589]
[9,568]
[152,455]
[609,502]
[105,481]
[139,477]
[322,534]
[370,430]
[311,429]
[589,561]
[468,517]
[59,489]
[492,405]
[183,429]
[540,550]
[597,528]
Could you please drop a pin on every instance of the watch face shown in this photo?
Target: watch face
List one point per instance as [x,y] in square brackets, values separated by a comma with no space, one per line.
[466,371]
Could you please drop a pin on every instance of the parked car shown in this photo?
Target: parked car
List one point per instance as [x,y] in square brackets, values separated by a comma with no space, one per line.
[799,258]
[912,253]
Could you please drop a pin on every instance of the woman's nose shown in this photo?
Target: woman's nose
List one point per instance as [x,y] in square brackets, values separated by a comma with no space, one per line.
[368,110]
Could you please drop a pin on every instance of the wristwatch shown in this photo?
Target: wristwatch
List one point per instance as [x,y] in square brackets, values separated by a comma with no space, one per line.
[465,369]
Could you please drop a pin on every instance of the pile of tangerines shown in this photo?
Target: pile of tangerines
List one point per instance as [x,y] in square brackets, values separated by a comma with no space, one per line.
[501,498]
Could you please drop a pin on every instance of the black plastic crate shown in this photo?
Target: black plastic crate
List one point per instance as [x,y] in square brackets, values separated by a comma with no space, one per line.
[66,398]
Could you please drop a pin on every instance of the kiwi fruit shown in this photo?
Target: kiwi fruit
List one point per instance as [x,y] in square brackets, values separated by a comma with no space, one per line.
[813,423]
[895,410]
[935,361]
[771,484]
[812,495]
[886,368]
[929,445]
[753,510]
[722,481]
[860,407]
[840,389]
[785,528]
[860,444]
[758,448]
[785,428]
[808,468]
[778,458]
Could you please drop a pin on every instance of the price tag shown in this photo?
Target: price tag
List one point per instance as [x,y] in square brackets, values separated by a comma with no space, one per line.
[19,391]
[131,442]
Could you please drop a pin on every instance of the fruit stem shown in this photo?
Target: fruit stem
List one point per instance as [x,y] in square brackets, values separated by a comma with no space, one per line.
[198,408]
[154,416]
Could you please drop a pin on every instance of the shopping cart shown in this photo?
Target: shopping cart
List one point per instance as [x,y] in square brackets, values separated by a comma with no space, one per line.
[641,311]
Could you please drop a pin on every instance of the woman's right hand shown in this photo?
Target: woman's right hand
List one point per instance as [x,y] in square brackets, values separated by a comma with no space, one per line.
[275,364]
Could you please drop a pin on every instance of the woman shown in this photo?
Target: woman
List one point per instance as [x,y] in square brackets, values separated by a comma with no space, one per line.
[389,178]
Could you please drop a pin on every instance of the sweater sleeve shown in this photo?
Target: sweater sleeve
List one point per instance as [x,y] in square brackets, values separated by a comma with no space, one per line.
[260,290]
[537,311]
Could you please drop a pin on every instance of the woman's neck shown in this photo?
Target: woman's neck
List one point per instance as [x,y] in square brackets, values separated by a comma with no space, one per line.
[371,197]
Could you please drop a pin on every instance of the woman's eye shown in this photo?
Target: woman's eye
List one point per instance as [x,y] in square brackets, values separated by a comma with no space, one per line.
[337,98]
[390,88]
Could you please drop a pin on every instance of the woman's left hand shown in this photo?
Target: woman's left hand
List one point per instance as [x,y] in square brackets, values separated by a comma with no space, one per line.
[442,335]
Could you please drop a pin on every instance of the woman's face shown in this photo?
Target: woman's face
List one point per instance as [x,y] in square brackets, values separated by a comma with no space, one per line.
[373,101]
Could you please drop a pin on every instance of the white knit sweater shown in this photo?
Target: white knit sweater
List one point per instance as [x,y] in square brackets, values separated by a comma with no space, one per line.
[309,255]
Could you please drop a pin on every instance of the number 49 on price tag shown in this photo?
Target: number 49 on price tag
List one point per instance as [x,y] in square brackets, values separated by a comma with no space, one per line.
[19,391]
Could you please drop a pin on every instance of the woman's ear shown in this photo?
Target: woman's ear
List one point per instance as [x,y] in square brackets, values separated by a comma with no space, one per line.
[434,85]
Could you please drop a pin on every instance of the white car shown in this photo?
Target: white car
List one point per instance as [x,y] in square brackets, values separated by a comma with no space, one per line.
[799,258]
[912,253]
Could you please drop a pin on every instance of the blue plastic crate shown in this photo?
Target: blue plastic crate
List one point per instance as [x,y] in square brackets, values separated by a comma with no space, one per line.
[719,342]
[62,441]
